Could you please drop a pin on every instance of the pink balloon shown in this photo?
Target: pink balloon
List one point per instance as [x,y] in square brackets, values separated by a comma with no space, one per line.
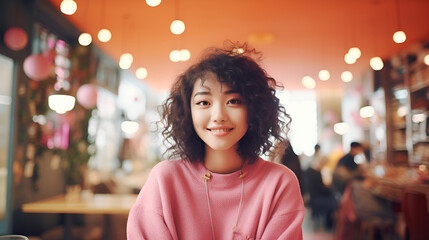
[37,67]
[15,38]
[87,95]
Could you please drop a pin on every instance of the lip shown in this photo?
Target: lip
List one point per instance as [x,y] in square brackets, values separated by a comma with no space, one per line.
[220,131]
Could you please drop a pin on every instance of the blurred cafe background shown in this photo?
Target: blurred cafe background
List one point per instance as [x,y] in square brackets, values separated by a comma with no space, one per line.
[81,82]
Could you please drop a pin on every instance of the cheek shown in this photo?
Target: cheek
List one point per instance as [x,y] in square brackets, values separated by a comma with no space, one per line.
[197,117]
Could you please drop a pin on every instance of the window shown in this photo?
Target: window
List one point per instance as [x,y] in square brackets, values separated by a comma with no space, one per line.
[302,107]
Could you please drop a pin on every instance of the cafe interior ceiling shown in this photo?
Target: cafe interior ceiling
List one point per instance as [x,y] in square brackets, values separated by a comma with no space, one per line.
[296,38]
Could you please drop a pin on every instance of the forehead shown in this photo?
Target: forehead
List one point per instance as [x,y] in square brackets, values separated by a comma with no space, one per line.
[210,82]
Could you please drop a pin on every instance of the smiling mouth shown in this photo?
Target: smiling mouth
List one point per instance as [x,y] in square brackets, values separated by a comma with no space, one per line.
[221,130]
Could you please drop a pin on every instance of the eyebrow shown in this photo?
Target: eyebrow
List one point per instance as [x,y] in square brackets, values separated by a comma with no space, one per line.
[208,92]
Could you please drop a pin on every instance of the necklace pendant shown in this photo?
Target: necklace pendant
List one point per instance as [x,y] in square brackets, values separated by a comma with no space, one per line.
[207,176]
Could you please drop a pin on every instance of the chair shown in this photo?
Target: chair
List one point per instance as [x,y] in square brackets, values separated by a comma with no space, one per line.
[416,215]
[13,237]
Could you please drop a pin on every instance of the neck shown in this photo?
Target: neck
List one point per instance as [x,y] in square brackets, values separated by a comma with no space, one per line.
[224,162]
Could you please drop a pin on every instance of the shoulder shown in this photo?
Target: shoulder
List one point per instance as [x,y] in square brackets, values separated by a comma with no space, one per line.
[278,182]
[167,168]
[274,170]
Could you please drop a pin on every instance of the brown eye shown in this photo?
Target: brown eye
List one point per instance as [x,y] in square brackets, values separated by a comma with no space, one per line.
[202,103]
[235,101]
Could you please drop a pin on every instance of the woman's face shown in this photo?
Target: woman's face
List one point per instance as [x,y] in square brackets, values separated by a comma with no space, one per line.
[219,114]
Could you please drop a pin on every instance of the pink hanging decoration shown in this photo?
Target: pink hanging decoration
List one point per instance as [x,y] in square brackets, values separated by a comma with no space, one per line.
[87,95]
[37,67]
[15,38]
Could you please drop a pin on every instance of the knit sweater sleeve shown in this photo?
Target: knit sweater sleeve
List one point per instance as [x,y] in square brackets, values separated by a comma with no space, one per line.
[146,220]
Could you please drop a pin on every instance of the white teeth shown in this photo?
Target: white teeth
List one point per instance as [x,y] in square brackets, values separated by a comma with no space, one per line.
[220,130]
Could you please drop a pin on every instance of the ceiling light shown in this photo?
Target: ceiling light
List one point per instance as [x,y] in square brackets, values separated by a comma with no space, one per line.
[426,59]
[376,63]
[355,52]
[104,35]
[346,76]
[349,59]
[308,82]
[399,37]
[185,55]
[85,39]
[141,73]
[341,128]
[153,3]
[175,55]
[61,103]
[177,27]
[324,75]
[126,60]
[68,7]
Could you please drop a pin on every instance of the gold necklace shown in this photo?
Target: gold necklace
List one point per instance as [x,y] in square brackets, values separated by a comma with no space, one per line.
[208,177]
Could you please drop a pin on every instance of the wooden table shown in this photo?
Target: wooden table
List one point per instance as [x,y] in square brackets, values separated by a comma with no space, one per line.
[93,204]
[394,191]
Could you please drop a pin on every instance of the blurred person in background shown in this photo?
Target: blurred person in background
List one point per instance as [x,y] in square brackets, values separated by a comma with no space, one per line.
[321,200]
[291,160]
[348,168]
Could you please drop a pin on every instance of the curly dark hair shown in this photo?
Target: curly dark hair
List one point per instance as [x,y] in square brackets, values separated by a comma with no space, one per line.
[233,66]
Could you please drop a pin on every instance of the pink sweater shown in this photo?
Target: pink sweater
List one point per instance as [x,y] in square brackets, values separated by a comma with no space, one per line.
[173,203]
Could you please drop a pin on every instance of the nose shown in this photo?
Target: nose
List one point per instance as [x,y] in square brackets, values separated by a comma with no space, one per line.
[219,113]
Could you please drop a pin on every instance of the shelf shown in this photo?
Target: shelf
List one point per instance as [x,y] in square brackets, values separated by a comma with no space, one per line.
[399,126]
[399,148]
[419,86]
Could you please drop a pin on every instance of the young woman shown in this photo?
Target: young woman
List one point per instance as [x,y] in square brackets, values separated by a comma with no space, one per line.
[221,115]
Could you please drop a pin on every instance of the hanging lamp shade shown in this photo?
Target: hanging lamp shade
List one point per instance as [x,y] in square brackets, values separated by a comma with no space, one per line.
[15,38]
[87,95]
[37,67]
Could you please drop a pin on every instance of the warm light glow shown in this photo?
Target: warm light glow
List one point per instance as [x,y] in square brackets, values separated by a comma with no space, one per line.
[308,82]
[346,76]
[355,52]
[175,55]
[141,73]
[418,118]
[104,35]
[61,103]
[85,39]
[341,128]
[126,60]
[180,55]
[349,59]
[376,63]
[426,59]
[68,7]
[185,55]
[129,127]
[177,27]
[324,75]
[238,50]
[153,3]
[367,111]
[399,37]
[402,111]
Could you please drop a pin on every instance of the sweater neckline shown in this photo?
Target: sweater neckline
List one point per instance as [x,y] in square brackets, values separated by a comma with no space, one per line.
[221,179]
